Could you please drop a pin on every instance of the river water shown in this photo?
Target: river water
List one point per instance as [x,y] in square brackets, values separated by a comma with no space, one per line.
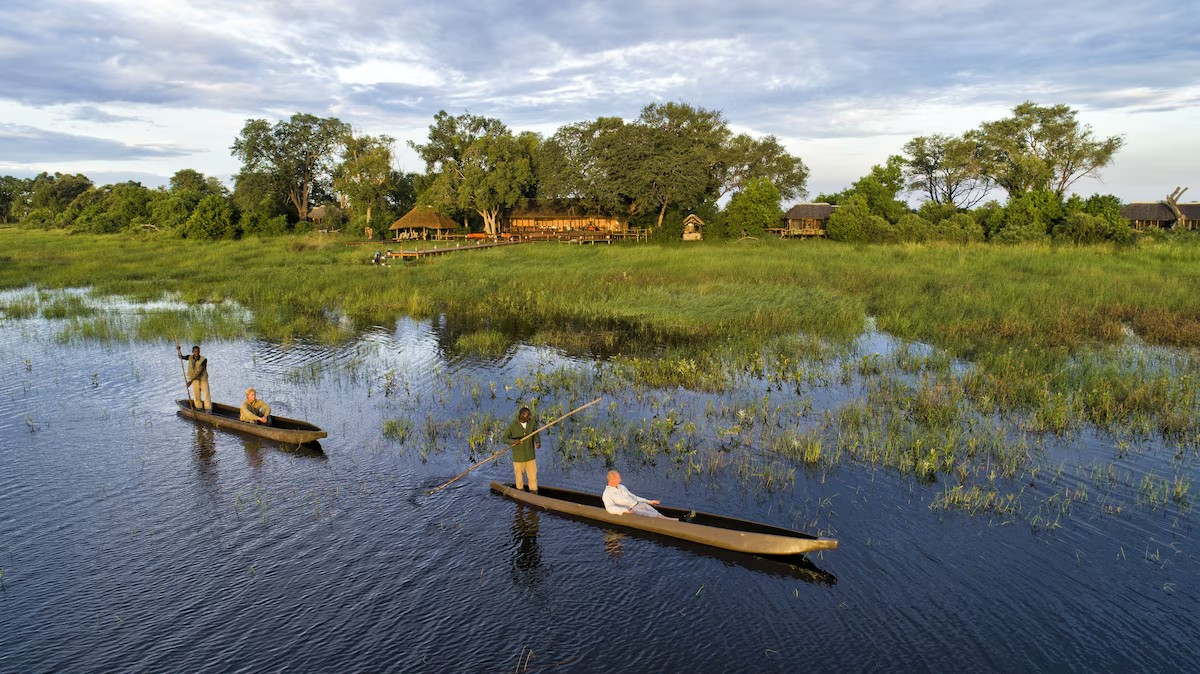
[132,539]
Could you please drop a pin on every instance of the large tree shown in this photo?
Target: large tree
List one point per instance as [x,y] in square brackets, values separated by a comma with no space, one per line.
[365,172]
[744,158]
[477,164]
[946,169]
[298,154]
[1041,148]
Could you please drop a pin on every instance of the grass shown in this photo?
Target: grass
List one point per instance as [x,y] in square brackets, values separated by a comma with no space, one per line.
[1002,349]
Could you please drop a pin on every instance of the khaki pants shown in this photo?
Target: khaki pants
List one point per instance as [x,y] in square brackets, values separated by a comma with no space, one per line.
[530,469]
[199,388]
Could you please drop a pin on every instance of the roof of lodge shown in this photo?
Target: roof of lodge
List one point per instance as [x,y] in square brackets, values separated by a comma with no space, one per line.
[818,211]
[424,217]
[1158,211]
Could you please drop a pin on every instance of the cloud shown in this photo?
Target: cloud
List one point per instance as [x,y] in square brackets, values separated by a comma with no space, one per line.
[27,144]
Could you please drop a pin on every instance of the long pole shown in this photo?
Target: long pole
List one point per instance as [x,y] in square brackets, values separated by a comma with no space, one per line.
[186,391]
[497,454]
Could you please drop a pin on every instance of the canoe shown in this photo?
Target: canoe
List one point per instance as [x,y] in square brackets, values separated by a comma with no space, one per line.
[718,531]
[282,429]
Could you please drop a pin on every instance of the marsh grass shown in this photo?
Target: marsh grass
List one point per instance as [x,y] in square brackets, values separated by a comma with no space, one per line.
[1002,349]
[486,343]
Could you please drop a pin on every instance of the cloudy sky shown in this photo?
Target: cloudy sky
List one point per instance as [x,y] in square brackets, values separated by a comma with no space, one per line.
[138,89]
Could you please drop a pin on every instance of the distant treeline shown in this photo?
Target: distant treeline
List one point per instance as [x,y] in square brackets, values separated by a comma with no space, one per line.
[673,160]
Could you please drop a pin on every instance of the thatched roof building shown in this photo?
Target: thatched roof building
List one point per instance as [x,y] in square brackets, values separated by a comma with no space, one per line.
[423,217]
[1143,214]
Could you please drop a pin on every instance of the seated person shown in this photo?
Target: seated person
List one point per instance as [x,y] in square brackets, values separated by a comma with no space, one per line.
[618,500]
[255,410]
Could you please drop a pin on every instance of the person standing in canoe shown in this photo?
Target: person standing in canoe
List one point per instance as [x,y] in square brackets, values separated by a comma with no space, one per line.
[524,456]
[618,500]
[254,410]
[197,377]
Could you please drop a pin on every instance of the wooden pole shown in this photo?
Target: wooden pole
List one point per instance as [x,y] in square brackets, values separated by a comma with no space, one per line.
[497,454]
[186,391]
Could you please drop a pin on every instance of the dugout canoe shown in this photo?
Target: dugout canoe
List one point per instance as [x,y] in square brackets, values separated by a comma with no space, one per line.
[719,531]
[282,429]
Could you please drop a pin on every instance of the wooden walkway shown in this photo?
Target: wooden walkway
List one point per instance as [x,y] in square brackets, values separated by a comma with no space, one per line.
[417,254]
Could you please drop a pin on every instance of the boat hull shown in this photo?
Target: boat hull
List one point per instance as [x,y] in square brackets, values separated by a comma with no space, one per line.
[718,531]
[282,429]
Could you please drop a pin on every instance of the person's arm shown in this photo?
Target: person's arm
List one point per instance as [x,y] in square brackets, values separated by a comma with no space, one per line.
[610,498]
[203,368]
[265,409]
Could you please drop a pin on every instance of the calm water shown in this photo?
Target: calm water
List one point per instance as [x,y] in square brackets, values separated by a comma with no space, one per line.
[133,540]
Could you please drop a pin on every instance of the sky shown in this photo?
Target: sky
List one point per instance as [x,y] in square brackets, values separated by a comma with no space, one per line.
[139,89]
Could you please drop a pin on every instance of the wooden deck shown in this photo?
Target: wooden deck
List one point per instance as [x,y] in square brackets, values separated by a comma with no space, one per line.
[418,253]
[784,232]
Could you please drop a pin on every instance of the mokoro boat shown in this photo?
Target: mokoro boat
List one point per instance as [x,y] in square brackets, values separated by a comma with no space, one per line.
[718,531]
[282,429]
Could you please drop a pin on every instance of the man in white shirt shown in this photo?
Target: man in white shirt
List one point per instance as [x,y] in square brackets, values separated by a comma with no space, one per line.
[618,500]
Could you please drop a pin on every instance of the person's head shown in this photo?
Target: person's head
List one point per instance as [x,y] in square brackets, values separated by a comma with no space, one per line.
[195,351]
[523,415]
[251,394]
[614,478]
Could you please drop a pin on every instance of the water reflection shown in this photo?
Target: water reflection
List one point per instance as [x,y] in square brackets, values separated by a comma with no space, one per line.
[254,448]
[527,557]
[613,544]
[205,454]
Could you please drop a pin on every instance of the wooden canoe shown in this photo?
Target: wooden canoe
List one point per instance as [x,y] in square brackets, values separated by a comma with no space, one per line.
[282,429]
[716,530]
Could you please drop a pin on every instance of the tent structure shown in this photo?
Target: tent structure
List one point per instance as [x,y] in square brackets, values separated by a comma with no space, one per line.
[418,222]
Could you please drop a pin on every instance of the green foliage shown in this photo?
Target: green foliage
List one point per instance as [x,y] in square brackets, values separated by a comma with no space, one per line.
[959,228]
[296,155]
[848,222]
[1028,218]
[912,227]
[212,219]
[934,212]
[1041,148]
[879,190]
[1082,228]
[946,170]
[754,209]
[477,164]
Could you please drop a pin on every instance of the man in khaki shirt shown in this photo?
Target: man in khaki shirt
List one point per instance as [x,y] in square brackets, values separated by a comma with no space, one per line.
[255,410]
[197,377]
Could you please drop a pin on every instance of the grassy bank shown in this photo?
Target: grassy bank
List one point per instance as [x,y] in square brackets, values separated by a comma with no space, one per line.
[976,301]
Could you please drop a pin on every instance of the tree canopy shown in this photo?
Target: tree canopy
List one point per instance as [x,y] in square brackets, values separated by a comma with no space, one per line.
[297,154]
[1041,148]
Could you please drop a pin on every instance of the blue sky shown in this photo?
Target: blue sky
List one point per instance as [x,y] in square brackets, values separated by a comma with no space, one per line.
[137,90]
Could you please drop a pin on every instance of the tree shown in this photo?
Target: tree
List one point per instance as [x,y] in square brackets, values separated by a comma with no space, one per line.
[946,170]
[14,197]
[56,192]
[1041,148]
[297,154]
[364,172]
[477,164]
[212,219]
[878,189]
[754,209]
[743,158]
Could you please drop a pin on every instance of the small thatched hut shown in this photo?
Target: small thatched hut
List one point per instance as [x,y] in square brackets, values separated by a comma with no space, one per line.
[419,222]
[692,226]
[806,219]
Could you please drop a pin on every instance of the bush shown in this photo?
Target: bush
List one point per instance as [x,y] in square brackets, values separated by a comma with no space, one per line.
[912,227]
[959,228]
[212,220]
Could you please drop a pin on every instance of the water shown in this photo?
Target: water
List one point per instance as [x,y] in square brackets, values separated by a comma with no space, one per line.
[133,540]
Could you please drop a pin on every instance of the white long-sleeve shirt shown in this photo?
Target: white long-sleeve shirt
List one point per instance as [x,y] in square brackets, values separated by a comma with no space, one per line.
[619,500]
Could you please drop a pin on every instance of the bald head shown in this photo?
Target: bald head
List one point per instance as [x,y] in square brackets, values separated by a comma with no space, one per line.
[614,478]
